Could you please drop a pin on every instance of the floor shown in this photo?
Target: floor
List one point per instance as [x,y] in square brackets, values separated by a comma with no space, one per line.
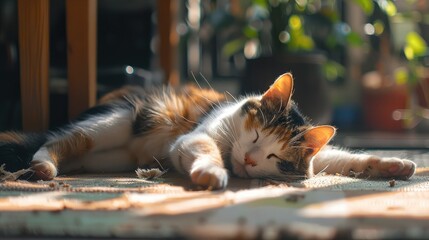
[124,206]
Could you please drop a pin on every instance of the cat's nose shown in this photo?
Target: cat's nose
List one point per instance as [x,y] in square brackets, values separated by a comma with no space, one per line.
[248,160]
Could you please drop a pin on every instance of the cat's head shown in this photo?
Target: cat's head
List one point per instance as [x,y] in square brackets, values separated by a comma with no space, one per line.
[275,140]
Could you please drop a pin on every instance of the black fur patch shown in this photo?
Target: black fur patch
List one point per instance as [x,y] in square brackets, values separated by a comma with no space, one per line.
[285,166]
[251,106]
[17,156]
[102,110]
[283,117]
[143,122]
[295,117]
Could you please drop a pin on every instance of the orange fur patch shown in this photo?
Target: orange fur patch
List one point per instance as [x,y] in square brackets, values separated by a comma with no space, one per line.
[251,121]
[209,149]
[71,146]
[204,147]
[11,137]
[119,94]
[252,109]
[194,103]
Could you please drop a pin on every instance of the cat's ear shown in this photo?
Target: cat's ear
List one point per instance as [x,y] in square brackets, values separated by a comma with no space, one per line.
[316,138]
[281,88]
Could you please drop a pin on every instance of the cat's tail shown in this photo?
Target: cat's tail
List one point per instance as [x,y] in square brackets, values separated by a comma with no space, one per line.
[17,149]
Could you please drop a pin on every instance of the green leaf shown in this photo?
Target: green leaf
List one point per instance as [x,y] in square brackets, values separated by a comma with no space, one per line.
[233,47]
[401,76]
[250,32]
[415,45]
[378,27]
[409,52]
[306,43]
[366,5]
[261,3]
[333,70]
[390,8]
[331,41]
[354,39]
[300,41]
[295,22]
[330,14]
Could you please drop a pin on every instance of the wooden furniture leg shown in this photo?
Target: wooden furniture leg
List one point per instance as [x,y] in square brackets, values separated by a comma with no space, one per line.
[33,21]
[82,49]
[168,39]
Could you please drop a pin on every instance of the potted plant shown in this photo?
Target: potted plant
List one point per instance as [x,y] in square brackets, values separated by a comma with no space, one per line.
[306,38]
[395,92]
[416,79]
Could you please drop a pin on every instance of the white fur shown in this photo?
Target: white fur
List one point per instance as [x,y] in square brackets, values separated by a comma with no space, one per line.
[332,160]
[146,148]
[258,151]
[108,133]
[42,156]
[226,127]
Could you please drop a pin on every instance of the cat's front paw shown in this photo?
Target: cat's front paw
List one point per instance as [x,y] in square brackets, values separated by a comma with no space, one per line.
[43,170]
[209,175]
[391,167]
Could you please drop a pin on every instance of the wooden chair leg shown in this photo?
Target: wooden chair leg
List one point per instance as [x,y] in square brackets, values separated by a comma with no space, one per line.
[33,18]
[168,39]
[82,48]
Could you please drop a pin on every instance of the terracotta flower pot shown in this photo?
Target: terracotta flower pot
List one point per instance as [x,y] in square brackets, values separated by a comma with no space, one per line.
[380,104]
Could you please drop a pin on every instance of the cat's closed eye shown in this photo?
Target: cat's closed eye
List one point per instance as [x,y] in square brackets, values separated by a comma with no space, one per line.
[272,155]
[257,136]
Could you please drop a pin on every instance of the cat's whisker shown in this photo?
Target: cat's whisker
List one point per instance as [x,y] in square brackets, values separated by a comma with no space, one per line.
[296,138]
[195,79]
[322,171]
[264,120]
[281,105]
[227,136]
[234,131]
[236,100]
[208,83]
[223,135]
[188,120]
[159,163]
[203,111]
[217,103]
[200,109]
[272,119]
[129,100]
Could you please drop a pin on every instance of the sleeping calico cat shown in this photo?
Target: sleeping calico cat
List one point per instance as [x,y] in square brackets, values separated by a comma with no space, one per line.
[200,134]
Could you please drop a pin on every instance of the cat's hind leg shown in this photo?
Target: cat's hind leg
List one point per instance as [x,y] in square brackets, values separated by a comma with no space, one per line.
[64,148]
[336,161]
[198,155]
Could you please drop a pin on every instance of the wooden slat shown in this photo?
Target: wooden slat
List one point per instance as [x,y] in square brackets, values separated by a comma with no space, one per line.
[168,39]
[81,55]
[33,18]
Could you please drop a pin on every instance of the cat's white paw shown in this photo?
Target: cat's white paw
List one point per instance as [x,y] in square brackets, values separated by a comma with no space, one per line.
[209,175]
[43,169]
[390,167]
